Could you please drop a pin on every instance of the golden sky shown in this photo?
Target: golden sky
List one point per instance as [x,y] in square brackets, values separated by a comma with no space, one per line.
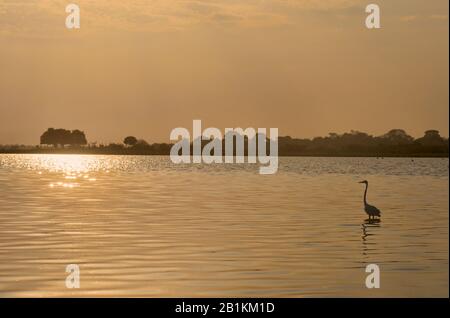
[307,67]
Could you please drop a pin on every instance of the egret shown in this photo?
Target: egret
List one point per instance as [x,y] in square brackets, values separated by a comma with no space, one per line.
[370,209]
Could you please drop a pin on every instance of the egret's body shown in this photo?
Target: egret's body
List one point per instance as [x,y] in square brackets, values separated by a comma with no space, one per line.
[371,210]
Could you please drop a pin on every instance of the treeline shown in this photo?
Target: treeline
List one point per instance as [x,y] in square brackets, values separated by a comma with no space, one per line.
[396,142]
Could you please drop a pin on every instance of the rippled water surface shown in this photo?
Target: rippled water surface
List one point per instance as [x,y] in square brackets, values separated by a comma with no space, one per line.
[141,226]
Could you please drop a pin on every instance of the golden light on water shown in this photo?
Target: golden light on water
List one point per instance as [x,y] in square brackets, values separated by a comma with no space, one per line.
[71,165]
[72,170]
[149,228]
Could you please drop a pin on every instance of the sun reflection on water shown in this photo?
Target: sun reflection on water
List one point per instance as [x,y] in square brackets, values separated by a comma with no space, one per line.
[74,170]
[71,165]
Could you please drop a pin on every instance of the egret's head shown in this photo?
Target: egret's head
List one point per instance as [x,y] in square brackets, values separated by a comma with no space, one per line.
[365,181]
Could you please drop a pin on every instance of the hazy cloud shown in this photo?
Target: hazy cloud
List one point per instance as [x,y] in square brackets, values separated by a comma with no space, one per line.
[439,17]
[45,16]
[408,18]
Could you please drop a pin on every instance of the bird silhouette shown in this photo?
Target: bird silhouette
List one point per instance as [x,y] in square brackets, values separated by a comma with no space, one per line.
[371,211]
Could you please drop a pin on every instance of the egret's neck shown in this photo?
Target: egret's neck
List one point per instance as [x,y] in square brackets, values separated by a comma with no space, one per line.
[365,194]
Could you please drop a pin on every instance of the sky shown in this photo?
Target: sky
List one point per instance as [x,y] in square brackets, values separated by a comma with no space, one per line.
[143,68]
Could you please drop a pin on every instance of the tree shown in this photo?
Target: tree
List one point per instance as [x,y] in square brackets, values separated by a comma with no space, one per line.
[63,137]
[78,138]
[431,138]
[397,137]
[55,137]
[432,134]
[130,141]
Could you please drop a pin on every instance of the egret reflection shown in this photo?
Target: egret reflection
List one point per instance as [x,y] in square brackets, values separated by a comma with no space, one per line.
[369,228]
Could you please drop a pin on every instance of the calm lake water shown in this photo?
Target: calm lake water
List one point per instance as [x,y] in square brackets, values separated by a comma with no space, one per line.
[141,226]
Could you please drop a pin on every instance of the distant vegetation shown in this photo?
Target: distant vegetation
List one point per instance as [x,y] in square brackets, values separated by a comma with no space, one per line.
[130,141]
[394,143]
[62,137]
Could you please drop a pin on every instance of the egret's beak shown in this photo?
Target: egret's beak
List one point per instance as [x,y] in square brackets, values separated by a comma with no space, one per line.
[361,182]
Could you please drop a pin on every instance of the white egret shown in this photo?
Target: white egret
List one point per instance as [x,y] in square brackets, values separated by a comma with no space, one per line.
[370,209]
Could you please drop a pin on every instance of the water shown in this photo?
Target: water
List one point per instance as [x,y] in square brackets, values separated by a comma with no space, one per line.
[141,226]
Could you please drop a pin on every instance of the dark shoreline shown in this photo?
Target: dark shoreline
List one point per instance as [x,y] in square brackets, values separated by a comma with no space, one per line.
[137,153]
[395,143]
